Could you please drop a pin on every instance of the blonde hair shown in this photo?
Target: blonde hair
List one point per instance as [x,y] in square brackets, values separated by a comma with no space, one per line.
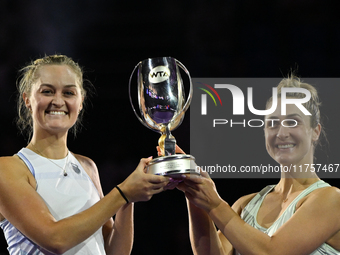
[28,75]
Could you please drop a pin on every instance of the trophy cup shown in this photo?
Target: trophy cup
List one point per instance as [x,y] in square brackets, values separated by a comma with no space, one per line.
[161,101]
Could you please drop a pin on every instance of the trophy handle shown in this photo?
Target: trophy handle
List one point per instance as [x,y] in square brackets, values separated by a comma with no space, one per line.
[186,106]
[133,108]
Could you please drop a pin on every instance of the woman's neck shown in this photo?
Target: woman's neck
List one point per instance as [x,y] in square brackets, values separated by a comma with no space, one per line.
[290,185]
[53,146]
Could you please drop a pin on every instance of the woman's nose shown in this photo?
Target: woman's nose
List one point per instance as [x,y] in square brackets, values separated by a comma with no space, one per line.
[283,132]
[58,100]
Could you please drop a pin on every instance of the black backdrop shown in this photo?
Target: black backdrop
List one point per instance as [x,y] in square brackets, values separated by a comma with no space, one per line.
[212,38]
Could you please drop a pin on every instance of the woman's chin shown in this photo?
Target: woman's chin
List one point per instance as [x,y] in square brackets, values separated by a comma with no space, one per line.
[285,161]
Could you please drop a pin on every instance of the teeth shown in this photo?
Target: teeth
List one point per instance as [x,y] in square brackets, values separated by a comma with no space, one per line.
[57,113]
[285,146]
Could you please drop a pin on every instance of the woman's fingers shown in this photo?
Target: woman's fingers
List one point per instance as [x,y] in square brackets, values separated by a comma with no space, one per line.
[179,150]
[159,152]
[155,179]
[143,163]
[194,179]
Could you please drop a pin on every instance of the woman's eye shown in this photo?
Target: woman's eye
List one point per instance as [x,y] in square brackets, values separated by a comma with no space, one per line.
[291,123]
[47,92]
[272,123]
[69,93]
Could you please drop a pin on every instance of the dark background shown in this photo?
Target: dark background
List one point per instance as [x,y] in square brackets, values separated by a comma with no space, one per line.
[211,38]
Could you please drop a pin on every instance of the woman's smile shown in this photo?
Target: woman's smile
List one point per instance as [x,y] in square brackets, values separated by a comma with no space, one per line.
[56,98]
[56,112]
[289,144]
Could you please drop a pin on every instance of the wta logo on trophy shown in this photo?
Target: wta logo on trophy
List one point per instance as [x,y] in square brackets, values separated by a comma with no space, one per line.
[159,74]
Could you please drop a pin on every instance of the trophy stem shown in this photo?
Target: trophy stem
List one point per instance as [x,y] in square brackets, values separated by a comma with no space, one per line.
[167,142]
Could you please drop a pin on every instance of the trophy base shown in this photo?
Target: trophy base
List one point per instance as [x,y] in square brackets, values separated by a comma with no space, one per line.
[173,165]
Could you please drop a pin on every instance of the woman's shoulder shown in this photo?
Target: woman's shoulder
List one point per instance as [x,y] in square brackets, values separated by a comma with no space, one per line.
[88,164]
[12,168]
[11,162]
[241,203]
[327,198]
[85,161]
[328,194]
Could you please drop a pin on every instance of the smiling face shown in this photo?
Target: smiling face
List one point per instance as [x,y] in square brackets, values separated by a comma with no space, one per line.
[55,98]
[290,141]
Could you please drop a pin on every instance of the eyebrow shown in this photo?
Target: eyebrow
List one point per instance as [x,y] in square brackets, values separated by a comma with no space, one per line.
[287,116]
[51,86]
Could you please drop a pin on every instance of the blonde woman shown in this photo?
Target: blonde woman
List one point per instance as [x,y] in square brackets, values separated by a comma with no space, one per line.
[51,200]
